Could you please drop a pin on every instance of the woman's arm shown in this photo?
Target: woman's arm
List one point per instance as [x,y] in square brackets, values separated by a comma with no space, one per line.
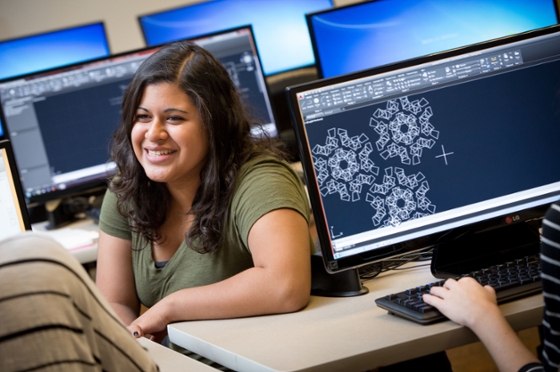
[468,303]
[279,282]
[115,278]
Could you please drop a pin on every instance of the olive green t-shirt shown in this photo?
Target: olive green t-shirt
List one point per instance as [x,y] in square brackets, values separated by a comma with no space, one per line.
[264,184]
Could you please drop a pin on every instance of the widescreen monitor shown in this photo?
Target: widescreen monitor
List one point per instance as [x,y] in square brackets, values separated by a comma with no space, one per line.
[432,150]
[374,33]
[279,25]
[60,121]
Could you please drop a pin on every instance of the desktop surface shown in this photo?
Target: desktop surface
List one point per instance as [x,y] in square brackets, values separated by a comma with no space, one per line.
[337,334]
[168,360]
[79,238]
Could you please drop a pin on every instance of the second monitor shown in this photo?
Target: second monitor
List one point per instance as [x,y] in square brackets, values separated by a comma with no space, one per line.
[60,122]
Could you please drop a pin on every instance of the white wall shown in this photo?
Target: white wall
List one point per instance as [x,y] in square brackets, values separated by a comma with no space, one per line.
[26,17]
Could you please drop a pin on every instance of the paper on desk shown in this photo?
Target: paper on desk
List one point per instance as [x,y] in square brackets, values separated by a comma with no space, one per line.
[74,238]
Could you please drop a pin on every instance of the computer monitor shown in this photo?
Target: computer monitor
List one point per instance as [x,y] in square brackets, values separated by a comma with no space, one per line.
[280,30]
[25,55]
[433,150]
[374,33]
[60,122]
[52,49]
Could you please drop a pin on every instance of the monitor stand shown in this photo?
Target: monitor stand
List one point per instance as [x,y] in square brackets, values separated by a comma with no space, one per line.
[63,211]
[343,284]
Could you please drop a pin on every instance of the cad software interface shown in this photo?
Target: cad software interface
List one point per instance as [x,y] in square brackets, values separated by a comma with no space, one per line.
[415,151]
[60,124]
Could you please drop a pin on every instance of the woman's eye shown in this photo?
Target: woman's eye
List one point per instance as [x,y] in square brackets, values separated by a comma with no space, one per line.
[175,118]
[141,117]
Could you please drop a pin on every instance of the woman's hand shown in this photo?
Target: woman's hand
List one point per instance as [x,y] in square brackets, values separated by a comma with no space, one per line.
[152,323]
[464,301]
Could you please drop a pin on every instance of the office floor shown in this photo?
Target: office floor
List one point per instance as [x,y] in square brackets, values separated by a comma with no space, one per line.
[475,358]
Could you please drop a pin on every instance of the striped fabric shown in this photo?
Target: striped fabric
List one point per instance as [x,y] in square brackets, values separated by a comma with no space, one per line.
[53,318]
[550,257]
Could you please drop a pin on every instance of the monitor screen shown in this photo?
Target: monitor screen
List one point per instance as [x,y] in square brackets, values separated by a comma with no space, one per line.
[48,50]
[280,30]
[410,152]
[375,33]
[60,121]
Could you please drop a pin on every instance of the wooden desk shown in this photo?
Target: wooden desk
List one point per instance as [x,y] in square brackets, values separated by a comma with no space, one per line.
[336,334]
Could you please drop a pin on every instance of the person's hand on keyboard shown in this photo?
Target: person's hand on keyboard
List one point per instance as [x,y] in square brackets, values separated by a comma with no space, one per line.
[467,303]
[464,301]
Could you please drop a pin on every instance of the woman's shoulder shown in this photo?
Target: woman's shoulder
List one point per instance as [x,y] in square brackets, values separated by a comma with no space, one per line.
[263,159]
[110,219]
[266,163]
[266,178]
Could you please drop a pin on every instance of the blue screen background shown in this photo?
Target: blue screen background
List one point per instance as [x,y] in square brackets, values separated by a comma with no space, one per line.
[371,34]
[279,26]
[54,49]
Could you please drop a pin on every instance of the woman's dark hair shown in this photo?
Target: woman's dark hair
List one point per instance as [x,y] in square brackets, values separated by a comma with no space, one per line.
[230,144]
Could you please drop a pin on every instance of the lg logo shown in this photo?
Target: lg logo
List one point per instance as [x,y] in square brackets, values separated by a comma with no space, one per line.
[510,219]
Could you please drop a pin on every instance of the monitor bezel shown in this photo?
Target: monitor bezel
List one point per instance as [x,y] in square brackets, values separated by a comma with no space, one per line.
[334,265]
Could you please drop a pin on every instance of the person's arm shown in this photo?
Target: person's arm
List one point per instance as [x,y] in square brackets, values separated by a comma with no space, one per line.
[469,304]
[115,278]
[279,282]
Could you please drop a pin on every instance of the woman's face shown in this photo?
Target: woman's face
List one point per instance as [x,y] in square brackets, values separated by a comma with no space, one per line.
[168,136]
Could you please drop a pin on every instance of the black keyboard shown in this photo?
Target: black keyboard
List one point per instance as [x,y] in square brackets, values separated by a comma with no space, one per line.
[511,280]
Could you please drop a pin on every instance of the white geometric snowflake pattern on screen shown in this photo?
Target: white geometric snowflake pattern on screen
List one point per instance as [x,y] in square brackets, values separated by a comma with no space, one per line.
[343,165]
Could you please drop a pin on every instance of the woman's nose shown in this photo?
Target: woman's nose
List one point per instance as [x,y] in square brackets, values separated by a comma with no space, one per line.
[156,131]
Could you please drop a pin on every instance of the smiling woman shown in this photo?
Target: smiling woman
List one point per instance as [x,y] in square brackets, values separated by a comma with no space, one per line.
[203,220]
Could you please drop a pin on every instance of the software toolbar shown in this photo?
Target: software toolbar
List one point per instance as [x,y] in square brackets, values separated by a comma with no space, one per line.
[327,101]
[108,70]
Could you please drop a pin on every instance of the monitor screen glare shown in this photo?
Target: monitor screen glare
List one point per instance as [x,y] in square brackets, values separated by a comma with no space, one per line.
[280,29]
[374,33]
